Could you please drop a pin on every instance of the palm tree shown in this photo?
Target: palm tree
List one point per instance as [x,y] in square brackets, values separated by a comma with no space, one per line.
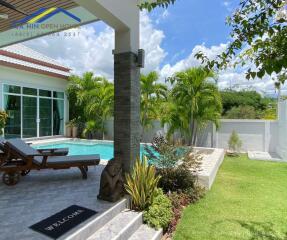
[94,98]
[101,103]
[152,93]
[195,101]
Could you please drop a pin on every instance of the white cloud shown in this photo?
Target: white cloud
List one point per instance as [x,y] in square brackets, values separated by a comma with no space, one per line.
[234,78]
[151,40]
[168,70]
[162,16]
[90,50]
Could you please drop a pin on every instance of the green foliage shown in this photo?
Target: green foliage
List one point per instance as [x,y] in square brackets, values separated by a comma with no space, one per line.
[242,112]
[152,4]
[176,179]
[91,129]
[270,114]
[162,154]
[152,94]
[232,99]
[141,184]
[3,120]
[258,36]
[246,104]
[234,142]
[91,98]
[176,165]
[194,101]
[159,214]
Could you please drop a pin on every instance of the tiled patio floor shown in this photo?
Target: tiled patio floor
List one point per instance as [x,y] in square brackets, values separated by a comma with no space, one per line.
[42,194]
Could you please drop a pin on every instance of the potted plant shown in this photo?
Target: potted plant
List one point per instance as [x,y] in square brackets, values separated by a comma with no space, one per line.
[3,120]
[75,131]
[68,129]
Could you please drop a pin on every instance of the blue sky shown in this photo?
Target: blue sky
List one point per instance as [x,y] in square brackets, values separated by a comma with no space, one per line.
[191,22]
[170,37]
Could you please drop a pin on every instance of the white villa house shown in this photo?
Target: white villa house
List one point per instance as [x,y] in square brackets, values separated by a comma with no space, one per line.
[32,92]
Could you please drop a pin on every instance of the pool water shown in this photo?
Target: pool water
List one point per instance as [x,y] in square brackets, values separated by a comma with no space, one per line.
[105,149]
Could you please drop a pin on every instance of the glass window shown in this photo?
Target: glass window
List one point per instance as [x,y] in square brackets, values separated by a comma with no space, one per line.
[45,93]
[12,89]
[58,117]
[12,105]
[58,95]
[30,91]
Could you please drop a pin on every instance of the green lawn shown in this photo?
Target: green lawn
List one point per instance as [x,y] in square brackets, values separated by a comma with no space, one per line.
[247,201]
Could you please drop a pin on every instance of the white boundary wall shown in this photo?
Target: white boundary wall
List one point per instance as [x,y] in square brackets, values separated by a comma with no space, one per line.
[256,135]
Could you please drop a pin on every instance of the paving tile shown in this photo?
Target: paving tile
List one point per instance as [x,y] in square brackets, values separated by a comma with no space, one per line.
[42,194]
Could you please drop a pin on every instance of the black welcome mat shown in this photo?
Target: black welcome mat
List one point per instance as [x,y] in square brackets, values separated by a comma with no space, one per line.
[62,222]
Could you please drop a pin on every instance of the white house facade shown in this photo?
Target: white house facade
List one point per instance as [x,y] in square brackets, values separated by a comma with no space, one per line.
[32,92]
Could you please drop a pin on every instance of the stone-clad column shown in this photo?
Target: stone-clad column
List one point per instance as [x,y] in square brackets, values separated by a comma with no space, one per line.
[127,109]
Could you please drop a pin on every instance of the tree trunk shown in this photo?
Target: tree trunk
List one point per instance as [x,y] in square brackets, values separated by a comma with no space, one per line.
[195,134]
[103,130]
[192,125]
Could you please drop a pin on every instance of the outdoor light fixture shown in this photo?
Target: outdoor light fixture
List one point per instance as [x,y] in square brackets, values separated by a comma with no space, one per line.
[141,58]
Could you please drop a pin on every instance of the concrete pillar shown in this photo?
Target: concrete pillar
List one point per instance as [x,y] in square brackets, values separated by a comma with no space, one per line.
[127,109]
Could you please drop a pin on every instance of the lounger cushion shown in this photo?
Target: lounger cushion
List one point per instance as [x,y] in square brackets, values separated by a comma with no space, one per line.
[20,146]
[73,160]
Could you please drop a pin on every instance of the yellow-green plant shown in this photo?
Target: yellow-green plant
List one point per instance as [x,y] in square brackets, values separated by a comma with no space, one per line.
[3,120]
[141,184]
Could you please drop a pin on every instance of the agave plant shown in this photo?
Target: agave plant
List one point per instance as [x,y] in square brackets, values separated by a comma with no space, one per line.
[141,184]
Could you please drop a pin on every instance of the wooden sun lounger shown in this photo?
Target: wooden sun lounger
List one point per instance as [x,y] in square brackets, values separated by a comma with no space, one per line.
[51,151]
[25,158]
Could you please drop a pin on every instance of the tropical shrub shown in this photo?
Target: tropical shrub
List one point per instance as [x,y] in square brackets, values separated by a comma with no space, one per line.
[179,201]
[177,165]
[141,184]
[159,214]
[243,112]
[176,179]
[3,120]
[91,129]
[234,142]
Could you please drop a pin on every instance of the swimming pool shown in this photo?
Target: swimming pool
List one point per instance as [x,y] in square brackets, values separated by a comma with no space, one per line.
[105,149]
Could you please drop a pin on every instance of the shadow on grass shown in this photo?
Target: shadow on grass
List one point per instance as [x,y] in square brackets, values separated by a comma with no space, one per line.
[258,230]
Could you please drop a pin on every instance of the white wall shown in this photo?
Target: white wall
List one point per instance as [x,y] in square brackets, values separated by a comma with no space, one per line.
[256,135]
[33,80]
[281,147]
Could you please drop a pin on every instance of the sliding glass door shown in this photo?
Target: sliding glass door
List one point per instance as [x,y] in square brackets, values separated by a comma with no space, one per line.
[29,117]
[45,108]
[33,112]
[12,105]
